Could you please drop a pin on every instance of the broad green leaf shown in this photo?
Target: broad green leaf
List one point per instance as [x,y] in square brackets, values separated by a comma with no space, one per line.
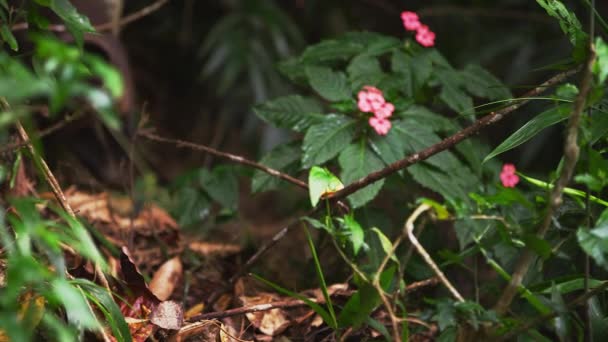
[452,93]
[358,308]
[438,181]
[326,139]
[321,181]
[292,112]
[424,117]
[415,69]
[531,128]
[358,161]
[457,100]
[222,185]
[331,85]
[479,82]
[330,51]
[283,158]
[356,236]
[373,44]
[364,70]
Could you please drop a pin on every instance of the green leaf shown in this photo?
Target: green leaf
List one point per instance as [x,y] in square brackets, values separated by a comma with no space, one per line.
[330,51]
[424,117]
[8,37]
[373,44]
[222,185]
[333,323]
[479,82]
[567,21]
[600,68]
[111,311]
[415,69]
[440,210]
[354,231]
[452,93]
[572,285]
[321,181]
[595,241]
[283,158]
[364,70]
[358,308]
[72,299]
[386,244]
[325,140]
[111,77]
[531,128]
[457,99]
[331,85]
[358,161]
[292,112]
[76,23]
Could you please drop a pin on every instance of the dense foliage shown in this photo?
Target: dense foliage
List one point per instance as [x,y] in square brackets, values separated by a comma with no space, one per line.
[382,132]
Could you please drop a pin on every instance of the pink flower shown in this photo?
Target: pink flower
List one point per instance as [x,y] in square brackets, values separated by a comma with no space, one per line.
[382,126]
[385,111]
[508,177]
[410,20]
[370,99]
[425,36]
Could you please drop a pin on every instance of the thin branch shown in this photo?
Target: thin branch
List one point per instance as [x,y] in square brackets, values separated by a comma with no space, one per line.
[284,304]
[232,157]
[450,141]
[42,133]
[539,320]
[105,26]
[571,152]
[409,227]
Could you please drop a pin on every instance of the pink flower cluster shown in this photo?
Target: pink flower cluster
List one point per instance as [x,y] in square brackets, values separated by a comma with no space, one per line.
[508,177]
[371,100]
[424,35]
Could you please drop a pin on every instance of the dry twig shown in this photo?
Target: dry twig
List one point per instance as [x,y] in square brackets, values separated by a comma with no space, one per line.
[105,26]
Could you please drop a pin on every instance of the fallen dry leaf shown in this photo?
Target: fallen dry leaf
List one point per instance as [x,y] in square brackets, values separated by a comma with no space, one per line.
[166,278]
[168,315]
[195,310]
[271,322]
